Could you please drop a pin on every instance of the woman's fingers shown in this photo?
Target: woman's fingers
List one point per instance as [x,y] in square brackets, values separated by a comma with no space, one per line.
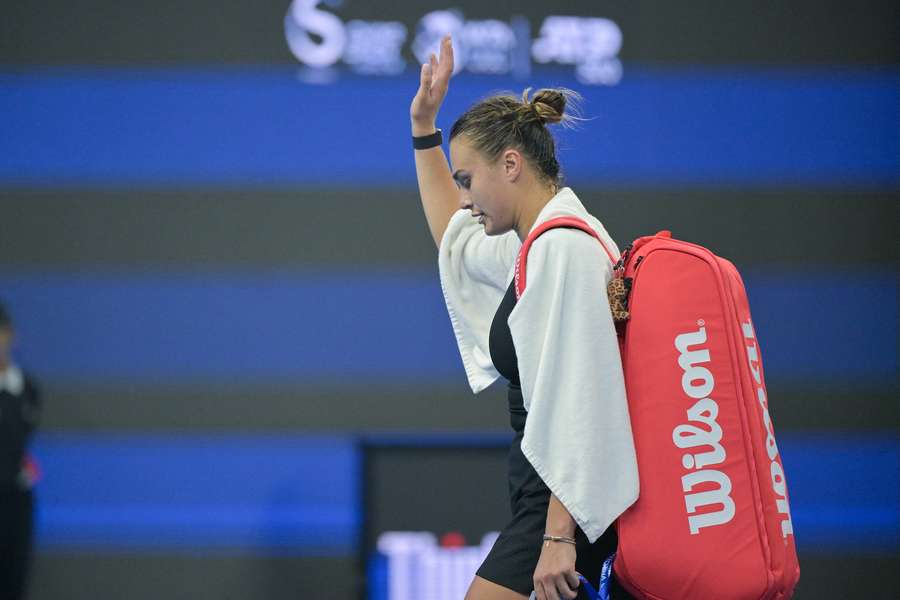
[447,55]
[443,65]
[425,77]
[565,590]
[572,579]
[435,71]
[433,83]
[559,587]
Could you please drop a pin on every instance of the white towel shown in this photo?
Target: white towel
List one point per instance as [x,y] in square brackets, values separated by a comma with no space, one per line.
[578,431]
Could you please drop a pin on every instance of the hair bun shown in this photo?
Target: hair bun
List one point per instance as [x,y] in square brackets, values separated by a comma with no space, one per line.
[549,104]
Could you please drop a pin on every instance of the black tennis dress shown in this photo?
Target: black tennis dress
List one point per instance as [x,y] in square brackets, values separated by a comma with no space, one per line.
[514,557]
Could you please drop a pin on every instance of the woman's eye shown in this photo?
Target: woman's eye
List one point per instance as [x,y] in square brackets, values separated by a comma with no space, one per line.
[462,182]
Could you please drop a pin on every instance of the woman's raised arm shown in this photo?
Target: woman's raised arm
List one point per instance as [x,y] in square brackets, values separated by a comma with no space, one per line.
[440,197]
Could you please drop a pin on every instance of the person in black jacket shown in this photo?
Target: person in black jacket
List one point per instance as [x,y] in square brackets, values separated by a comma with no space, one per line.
[19,414]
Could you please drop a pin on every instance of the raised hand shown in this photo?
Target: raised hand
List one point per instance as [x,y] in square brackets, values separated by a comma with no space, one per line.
[433,83]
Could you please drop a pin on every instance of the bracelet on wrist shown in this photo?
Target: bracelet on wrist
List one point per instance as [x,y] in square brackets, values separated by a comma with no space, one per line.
[424,142]
[559,538]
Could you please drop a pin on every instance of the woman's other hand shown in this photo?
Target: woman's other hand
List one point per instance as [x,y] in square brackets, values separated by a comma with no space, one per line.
[555,576]
[433,84]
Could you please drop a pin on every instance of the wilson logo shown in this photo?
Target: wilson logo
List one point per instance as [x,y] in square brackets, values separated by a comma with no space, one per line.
[779,485]
[702,435]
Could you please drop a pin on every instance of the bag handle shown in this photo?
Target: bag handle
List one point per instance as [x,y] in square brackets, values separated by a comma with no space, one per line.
[569,222]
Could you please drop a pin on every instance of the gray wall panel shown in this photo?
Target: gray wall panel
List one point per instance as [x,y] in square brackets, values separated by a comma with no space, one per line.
[259,408]
[210,31]
[448,407]
[151,577]
[51,229]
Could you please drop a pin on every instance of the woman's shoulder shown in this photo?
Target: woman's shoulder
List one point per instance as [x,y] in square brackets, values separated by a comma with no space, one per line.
[568,246]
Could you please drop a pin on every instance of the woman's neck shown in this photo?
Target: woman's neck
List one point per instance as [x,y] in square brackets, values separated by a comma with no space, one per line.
[532,207]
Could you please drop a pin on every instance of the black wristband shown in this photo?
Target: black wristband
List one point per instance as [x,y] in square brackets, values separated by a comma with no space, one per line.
[424,142]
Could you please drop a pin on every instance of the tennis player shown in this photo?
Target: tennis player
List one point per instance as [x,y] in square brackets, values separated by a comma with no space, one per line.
[572,466]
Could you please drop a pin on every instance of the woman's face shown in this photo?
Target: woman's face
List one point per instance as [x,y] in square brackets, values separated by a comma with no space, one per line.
[485,188]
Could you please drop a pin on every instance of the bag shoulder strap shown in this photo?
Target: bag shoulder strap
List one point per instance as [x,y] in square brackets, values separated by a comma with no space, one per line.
[569,222]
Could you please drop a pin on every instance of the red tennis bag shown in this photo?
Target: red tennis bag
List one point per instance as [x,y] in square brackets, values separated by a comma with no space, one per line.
[712,520]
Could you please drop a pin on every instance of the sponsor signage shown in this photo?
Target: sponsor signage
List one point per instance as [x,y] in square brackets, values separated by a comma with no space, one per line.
[505,45]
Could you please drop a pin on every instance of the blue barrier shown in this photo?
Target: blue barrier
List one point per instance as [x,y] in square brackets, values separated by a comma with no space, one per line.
[844,490]
[299,494]
[271,494]
[263,126]
[167,328]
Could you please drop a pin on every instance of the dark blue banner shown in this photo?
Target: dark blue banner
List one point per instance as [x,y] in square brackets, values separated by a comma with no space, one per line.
[300,494]
[269,493]
[380,326]
[266,127]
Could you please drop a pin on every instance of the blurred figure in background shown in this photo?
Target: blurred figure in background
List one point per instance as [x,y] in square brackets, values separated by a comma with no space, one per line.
[19,414]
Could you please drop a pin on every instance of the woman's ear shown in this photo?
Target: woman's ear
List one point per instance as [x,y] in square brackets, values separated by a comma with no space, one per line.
[512,164]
